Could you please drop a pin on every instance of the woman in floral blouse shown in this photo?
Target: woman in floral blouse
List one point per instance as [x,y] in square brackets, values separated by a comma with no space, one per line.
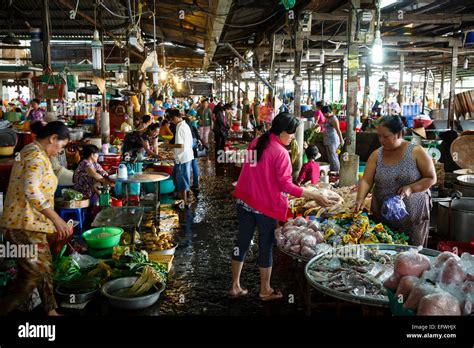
[89,173]
[29,216]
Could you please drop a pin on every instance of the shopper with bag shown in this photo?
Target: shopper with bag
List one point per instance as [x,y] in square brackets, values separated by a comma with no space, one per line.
[401,168]
[29,216]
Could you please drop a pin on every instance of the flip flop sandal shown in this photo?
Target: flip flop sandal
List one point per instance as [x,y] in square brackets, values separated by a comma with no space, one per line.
[275,295]
[243,292]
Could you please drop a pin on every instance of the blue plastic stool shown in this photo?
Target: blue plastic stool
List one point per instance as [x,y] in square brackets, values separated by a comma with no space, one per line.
[77,214]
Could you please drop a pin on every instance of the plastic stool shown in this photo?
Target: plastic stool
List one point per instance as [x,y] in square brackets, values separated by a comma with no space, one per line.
[77,214]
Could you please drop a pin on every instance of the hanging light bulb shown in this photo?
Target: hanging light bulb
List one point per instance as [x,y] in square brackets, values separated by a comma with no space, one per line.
[466,63]
[155,70]
[163,75]
[96,46]
[176,79]
[321,56]
[119,76]
[179,86]
[377,49]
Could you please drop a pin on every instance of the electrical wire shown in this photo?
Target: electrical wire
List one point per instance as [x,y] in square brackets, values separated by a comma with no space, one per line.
[249,25]
[101,3]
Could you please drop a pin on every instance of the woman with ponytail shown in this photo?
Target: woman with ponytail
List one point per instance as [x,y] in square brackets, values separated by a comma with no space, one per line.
[262,191]
[401,168]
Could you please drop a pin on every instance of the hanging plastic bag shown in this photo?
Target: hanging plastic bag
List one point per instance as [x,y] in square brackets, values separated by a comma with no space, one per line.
[394,209]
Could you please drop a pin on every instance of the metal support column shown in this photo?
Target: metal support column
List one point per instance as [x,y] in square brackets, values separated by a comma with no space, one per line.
[401,94]
[454,70]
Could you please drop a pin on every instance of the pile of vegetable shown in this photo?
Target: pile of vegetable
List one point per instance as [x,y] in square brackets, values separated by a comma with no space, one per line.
[346,197]
[71,275]
[148,278]
[71,195]
[442,286]
[359,273]
[310,238]
[357,228]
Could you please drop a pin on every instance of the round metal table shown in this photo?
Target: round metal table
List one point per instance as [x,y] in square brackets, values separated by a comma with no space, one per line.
[142,178]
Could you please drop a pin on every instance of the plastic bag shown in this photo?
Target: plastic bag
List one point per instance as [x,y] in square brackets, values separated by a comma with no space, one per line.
[394,209]
[84,261]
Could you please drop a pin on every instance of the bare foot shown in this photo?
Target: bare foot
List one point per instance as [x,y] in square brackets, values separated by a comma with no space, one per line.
[237,292]
[273,295]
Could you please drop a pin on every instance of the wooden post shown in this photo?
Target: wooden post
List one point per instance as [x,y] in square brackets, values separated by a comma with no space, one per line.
[454,69]
[425,84]
[401,94]
[441,87]
[47,43]
[349,159]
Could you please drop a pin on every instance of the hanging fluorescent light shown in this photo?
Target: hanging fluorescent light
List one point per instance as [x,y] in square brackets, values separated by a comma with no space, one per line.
[278,74]
[344,61]
[307,55]
[96,46]
[321,56]
[466,63]
[377,49]
[155,70]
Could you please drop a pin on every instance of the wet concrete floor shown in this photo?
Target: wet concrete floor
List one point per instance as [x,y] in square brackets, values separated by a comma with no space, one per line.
[201,277]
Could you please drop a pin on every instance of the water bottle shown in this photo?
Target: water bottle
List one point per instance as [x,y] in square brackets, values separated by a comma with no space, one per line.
[122,172]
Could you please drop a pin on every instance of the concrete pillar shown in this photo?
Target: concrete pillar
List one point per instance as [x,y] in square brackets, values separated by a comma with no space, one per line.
[349,160]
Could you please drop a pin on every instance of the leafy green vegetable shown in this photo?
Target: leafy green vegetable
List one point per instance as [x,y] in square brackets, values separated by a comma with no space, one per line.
[71,195]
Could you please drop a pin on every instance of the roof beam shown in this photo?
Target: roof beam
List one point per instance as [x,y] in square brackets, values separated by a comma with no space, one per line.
[435,18]
[91,21]
[214,28]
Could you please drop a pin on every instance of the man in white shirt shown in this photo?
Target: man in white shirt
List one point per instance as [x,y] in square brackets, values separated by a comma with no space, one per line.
[183,155]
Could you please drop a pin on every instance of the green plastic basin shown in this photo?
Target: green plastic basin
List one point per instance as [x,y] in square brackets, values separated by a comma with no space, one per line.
[95,240]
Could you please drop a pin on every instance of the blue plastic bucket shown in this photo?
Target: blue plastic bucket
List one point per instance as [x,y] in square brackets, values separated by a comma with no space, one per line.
[166,186]
[133,189]
[469,39]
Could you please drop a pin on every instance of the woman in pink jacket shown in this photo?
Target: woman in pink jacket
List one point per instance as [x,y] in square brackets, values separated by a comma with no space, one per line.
[262,192]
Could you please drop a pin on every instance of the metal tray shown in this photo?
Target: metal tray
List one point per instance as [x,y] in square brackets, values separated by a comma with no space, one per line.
[466,180]
[110,288]
[365,300]
[145,177]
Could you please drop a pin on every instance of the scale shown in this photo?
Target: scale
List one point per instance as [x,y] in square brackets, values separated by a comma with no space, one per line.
[434,153]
